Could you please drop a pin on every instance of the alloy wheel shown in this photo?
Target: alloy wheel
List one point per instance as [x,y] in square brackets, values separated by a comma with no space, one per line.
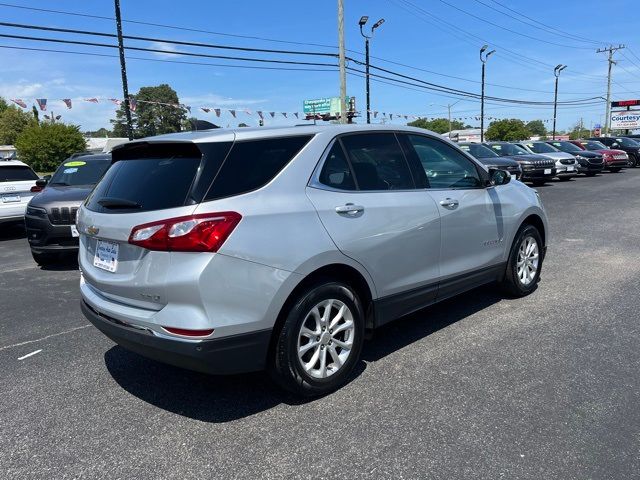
[325,339]
[528,260]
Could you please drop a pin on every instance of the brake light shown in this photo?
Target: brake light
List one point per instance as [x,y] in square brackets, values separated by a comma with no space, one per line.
[189,333]
[194,233]
[36,189]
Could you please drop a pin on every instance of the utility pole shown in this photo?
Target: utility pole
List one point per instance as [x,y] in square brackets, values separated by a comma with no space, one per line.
[362,23]
[343,71]
[483,59]
[611,50]
[448,107]
[556,72]
[123,70]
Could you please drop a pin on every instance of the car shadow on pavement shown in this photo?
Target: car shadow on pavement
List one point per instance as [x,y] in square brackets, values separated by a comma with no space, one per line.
[65,263]
[12,231]
[208,398]
[219,399]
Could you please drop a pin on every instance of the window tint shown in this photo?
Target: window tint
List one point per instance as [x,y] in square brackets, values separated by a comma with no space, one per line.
[445,167]
[151,183]
[14,173]
[253,164]
[335,171]
[378,162]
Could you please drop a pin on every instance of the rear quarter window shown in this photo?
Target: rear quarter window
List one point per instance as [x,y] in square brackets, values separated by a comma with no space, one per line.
[251,164]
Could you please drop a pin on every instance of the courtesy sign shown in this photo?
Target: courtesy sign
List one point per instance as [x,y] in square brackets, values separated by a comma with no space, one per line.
[625,120]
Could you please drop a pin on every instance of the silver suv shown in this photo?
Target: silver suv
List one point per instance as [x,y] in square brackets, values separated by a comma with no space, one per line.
[229,251]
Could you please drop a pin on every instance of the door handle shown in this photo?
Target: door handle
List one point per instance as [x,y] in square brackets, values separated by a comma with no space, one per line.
[450,203]
[350,209]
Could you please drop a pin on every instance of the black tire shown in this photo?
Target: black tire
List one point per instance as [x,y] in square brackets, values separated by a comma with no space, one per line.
[564,179]
[591,174]
[44,259]
[511,282]
[615,170]
[633,161]
[538,183]
[286,367]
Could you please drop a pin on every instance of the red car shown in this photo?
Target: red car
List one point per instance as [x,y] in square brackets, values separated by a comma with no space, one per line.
[614,160]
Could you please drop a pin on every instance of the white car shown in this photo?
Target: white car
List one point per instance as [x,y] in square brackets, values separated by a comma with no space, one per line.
[16,180]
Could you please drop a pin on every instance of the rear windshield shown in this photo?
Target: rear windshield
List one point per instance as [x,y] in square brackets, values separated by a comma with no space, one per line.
[80,172]
[14,173]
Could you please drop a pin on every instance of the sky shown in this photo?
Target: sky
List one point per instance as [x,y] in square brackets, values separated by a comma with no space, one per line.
[434,41]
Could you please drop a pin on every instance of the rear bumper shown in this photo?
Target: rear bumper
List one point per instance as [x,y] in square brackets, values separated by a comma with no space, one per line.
[233,354]
[12,211]
[47,238]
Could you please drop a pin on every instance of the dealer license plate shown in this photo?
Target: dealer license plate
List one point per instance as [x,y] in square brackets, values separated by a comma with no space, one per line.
[571,168]
[547,171]
[74,231]
[106,256]
[10,198]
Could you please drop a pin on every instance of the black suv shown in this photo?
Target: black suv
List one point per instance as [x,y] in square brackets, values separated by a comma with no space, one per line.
[490,159]
[630,146]
[590,163]
[536,169]
[50,218]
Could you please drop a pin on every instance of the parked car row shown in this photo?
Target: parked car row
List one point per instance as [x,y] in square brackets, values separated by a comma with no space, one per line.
[540,161]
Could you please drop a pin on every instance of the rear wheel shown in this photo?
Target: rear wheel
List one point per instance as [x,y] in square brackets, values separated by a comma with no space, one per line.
[525,262]
[44,259]
[320,341]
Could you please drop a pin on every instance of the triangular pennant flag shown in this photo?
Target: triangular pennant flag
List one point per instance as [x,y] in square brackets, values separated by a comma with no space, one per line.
[233,113]
[284,114]
[296,114]
[384,114]
[273,114]
[188,108]
[116,101]
[18,101]
[42,103]
[205,109]
[217,110]
[375,114]
[67,102]
[248,112]
[91,100]
[133,104]
[259,112]
[391,116]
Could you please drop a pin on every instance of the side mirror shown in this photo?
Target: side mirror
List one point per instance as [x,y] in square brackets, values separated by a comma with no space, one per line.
[498,177]
[42,182]
[615,144]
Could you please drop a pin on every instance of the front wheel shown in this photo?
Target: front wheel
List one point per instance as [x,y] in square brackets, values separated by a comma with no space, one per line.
[525,262]
[538,183]
[614,170]
[590,174]
[320,341]
[44,259]
[633,161]
[564,179]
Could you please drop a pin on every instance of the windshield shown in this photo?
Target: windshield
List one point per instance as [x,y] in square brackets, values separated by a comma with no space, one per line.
[11,173]
[566,146]
[80,172]
[541,147]
[506,149]
[593,145]
[478,150]
[627,142]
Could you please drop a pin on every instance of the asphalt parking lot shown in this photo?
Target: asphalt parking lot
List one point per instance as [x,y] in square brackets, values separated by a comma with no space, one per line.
[478,387]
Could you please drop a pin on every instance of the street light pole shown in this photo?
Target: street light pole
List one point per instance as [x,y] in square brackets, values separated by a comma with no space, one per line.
[362,23]
[123,70]
[556,72]
[342,61]
[483,59]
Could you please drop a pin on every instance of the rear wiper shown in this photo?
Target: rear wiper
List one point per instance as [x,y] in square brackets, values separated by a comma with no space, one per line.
[109,202]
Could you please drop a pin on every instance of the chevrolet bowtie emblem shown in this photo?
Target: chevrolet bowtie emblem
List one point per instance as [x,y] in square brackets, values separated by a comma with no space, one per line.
[92,230]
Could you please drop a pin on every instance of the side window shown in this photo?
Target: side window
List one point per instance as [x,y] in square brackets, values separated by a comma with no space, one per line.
[445,166]
[335,171]
[378,162]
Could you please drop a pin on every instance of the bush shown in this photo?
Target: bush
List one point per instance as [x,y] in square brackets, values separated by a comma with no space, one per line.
[44,146]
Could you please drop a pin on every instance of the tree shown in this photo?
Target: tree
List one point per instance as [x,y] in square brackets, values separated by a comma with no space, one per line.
[507,130]
[100,133]
[44,146]
[3,105]
[438,125]
[12,122]
[151,118]
[536,127]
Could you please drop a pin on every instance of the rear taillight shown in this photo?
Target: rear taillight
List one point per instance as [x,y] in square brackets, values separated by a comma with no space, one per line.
[188,333]
[195,233]
[36,189]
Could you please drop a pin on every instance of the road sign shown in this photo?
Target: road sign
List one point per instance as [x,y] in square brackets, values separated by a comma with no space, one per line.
[629,119]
